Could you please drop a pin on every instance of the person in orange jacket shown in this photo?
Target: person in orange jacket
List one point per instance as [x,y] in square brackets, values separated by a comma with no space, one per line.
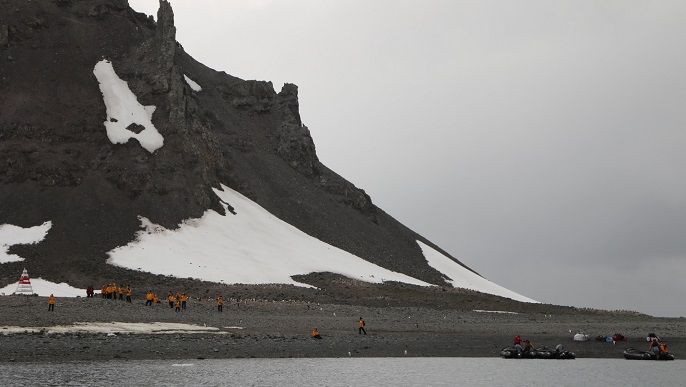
[315,334]
[183,301]
[178,305]
[121,293]
[51,303]
[149,298]
[128,293]
[656,347]
[220,304]
[361,330]
[170,297]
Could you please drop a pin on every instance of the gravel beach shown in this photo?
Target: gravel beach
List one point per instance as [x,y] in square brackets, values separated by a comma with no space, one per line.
[260,328]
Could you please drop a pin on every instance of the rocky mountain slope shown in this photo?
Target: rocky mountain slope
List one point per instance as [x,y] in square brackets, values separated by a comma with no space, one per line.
[57,163]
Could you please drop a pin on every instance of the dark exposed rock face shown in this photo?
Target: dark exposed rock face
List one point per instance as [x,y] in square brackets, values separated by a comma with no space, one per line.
[56,162]
[4,36]
[295,144]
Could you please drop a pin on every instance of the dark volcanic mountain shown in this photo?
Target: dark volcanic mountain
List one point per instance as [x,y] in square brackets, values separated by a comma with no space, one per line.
[59,165]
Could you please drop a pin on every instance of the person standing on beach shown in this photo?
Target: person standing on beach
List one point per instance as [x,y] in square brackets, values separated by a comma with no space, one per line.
[220,304]
[128,293]
[183,301]
[178,305]
[148,298]
[361,330]
[170,297]
[51,303]
[121,293]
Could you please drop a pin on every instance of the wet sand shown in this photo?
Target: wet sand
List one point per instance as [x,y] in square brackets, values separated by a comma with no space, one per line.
[282,329]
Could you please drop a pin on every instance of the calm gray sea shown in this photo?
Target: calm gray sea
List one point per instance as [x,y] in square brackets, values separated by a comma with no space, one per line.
[348,372]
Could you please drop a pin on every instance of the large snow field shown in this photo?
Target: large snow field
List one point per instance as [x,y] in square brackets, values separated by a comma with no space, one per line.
[251,247]
[255,247]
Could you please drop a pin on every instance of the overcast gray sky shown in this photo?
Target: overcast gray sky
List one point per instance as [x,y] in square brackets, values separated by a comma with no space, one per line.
[539,142]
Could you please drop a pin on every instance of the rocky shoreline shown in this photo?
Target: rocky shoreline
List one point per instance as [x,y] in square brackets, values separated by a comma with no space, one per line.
[281,329]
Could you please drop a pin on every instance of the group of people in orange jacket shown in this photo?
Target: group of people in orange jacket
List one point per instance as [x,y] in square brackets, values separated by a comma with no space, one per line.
[114,292]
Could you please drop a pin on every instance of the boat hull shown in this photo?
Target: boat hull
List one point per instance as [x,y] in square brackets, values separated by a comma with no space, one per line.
[636,354]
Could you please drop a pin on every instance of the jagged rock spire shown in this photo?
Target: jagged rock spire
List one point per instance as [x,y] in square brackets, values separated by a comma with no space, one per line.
[165,35]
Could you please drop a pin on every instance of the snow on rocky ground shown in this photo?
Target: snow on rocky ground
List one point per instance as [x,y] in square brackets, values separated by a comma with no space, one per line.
[124,110]
[15,235]
[114,328]
[250,247]
[194,85]
[463,278]
[45,288]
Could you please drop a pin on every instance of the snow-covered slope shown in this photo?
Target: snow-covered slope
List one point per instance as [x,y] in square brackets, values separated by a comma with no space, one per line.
[251,246]
[255,247]
[462,278]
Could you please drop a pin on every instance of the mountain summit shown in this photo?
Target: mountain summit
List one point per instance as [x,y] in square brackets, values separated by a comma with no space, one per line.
[122,155]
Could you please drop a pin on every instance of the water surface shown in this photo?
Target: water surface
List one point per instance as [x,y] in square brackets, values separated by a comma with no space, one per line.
[348,372]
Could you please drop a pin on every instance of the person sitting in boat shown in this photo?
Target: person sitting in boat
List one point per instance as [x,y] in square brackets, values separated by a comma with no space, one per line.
[528,347]
[518,348]
[655,346]
[559,349]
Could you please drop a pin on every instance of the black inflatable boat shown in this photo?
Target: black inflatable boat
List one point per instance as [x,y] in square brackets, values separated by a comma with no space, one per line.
[540,353]
[637,354]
